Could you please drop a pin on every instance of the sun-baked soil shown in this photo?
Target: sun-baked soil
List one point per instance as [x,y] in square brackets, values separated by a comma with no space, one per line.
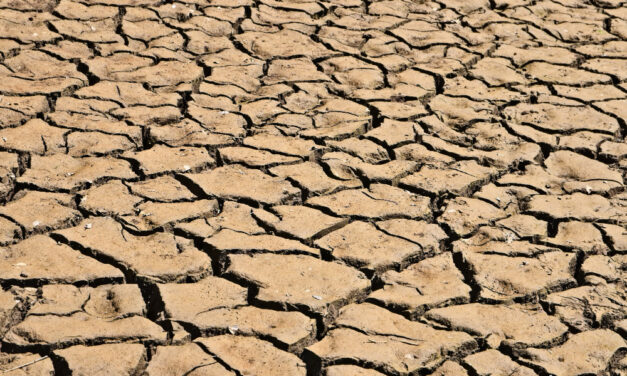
[303,188]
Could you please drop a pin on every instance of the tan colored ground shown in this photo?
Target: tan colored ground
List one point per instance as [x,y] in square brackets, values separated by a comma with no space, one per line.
[300,188]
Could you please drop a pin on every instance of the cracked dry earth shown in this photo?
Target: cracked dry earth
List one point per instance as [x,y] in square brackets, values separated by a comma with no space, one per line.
[339,188]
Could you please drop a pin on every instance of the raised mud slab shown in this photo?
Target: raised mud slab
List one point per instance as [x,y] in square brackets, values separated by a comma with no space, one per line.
[304,188]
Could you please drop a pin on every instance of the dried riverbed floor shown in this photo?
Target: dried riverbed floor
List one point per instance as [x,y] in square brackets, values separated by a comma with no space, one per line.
[291,188]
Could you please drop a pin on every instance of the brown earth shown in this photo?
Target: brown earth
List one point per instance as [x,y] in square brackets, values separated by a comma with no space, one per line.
[296,187]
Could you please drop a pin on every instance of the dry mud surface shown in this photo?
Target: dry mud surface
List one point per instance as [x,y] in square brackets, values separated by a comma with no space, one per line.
[339,188]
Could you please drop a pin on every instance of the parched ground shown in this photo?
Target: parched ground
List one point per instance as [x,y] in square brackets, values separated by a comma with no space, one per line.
[291,188]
